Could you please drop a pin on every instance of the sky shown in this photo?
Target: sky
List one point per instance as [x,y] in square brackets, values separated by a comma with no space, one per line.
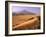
[18,9]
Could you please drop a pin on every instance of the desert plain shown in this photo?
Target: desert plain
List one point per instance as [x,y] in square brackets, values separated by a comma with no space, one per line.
[25,22]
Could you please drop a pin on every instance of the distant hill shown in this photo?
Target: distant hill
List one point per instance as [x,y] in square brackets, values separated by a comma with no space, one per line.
[24,12]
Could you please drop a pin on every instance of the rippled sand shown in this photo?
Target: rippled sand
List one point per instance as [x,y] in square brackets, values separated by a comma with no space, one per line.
[24,22]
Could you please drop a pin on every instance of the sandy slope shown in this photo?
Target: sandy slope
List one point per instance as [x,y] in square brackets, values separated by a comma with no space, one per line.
[25,22]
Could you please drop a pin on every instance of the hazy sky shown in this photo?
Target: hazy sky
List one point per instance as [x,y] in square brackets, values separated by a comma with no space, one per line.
[29,9]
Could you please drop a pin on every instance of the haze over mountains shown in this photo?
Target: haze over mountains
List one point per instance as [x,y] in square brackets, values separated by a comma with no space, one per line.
[26,10]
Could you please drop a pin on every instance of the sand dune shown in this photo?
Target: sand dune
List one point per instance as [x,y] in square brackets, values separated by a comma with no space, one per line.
[22,22]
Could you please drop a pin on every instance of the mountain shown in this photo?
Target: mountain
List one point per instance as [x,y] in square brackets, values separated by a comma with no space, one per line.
[24,12]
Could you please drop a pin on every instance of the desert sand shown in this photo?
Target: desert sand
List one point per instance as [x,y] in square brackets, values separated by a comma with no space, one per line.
[24,22]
